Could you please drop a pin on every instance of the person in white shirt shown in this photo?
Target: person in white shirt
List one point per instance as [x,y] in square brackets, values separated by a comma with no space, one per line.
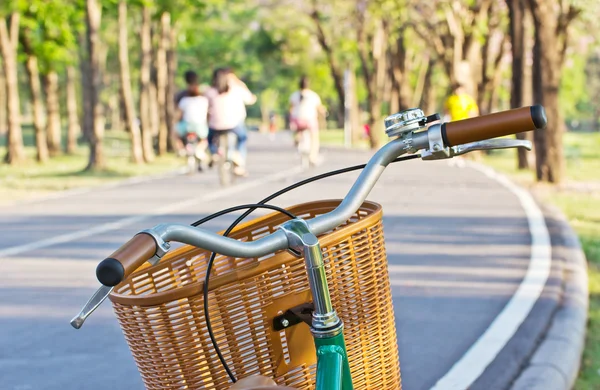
[305,108]
[193,112]
[228,97]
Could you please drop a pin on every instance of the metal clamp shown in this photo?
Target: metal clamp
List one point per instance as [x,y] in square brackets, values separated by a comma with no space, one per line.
[162,247]
[437,150]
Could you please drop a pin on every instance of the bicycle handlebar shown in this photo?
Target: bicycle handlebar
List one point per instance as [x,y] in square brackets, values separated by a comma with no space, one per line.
[144,246]
[499,124]
[112,270]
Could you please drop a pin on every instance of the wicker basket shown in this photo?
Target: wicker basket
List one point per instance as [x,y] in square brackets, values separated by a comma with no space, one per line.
[160,309]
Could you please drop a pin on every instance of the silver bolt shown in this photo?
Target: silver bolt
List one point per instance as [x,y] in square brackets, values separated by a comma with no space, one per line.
[436,147]
[284,322]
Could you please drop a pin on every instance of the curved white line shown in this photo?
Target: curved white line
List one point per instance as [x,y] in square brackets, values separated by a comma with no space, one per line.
[486,348]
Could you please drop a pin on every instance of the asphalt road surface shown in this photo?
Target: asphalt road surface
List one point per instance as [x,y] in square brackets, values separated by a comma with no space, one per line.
[458,247]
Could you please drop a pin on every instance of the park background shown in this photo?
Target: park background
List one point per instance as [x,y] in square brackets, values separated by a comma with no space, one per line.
[86,87]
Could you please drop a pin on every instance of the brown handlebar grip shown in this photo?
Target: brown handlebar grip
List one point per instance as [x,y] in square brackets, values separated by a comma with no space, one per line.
[112,270]
[494,125]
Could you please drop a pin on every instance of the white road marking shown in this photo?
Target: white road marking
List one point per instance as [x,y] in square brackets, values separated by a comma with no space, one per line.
[68,237]
[488,346]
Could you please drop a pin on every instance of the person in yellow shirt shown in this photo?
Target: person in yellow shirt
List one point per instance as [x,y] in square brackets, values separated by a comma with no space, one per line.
[460,105]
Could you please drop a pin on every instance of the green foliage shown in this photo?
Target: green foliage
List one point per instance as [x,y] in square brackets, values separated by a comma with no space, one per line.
[574,94]
[51,27]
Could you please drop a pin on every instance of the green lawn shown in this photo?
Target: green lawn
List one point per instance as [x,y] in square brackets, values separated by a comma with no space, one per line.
[579,199]
[335,137]
[31,179]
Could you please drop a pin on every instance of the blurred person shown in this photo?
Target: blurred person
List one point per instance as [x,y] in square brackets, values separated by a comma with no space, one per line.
[193,114]
[460,105]
[305,108]
[228,97]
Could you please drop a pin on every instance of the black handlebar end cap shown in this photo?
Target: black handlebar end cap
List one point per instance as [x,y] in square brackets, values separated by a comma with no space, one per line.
[538,114]
[110,272]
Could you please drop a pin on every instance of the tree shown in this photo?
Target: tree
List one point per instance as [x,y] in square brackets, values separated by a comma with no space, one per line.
[9,40]
[145,90]
[516,10]
[162,74]
[551,21]
[127,96]
[336,71]
[455,31]
[73,127]
[93,111]
[35,89]
[53,126]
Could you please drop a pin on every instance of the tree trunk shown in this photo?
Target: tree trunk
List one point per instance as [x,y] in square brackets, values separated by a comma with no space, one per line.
[145,90]
[549,49]
[131,124]
[53,127]
[73,129]
[171,86]
[35,88]
[8,47]
[3,116]
[516,12]
[86,86]
[336,72]
[96,135]
[162,74]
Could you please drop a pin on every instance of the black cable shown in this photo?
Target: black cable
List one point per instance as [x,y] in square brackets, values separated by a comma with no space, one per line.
[210,265]
[250,208]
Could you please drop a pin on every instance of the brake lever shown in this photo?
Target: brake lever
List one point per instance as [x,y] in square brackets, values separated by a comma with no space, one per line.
[435,152]
[95,301]
[490,144]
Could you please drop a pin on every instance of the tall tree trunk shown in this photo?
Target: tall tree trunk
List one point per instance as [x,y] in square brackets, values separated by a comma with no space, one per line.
[96,135]
[551,40]
[428,97]
[424,72]
[35,88]
[162,74]
[3,116]
[145,87]
[73,129]
[171,86]
[53,127]
[9,41]
[131,124]
[516,12]
[336,71]
[86,86]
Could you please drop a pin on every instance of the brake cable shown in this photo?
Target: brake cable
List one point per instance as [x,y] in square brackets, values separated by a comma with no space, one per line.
[249,209]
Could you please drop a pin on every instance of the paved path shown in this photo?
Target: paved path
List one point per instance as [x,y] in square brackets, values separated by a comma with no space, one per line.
[458,247]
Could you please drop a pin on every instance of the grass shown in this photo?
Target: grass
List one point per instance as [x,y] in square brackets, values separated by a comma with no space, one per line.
[335,137]
[579,199]
[31,179]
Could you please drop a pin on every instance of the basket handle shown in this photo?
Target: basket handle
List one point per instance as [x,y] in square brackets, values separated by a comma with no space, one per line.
[135,252]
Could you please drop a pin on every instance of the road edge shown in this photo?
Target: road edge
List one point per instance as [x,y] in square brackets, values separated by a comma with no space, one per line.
[555,362]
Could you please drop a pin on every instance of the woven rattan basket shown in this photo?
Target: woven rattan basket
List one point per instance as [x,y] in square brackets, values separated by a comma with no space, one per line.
[160,309]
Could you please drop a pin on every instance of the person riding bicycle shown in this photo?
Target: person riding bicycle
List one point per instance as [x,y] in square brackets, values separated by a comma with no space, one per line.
[193,111]
[305,108]
[228,97]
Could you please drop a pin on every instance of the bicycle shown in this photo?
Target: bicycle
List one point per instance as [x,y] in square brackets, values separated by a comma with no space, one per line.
[226,157]
[324,240]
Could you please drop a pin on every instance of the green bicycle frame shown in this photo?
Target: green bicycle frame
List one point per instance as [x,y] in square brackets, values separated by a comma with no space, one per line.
[333,370]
